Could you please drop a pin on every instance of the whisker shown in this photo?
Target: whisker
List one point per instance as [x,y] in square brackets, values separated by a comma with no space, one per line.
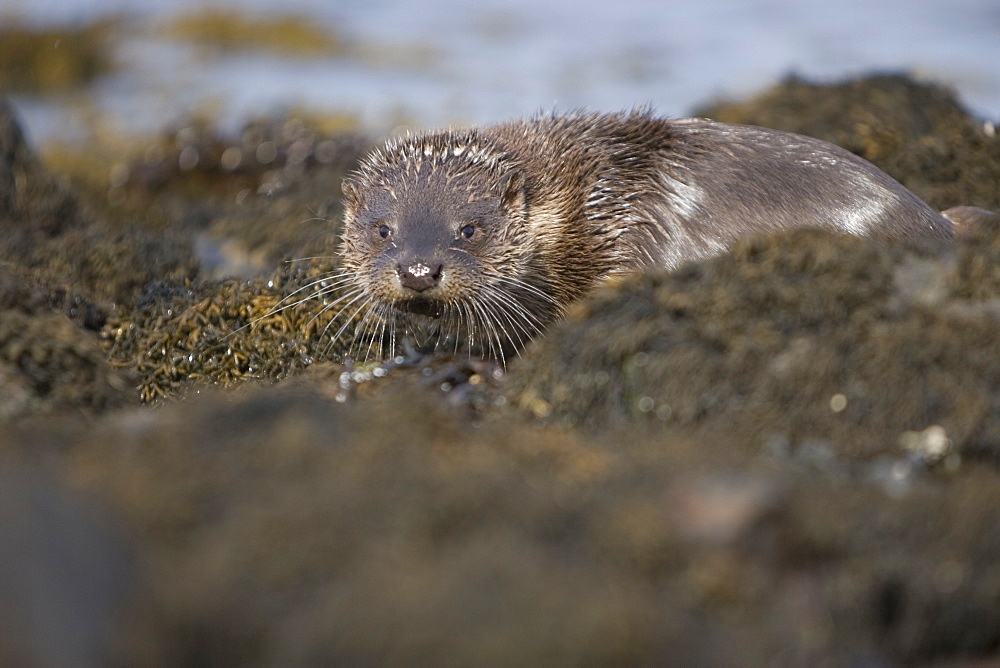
[487,324]
[392,337]
[529,316]
[353,296]
[336,337]
[499,332]
[378,333]
[460,310]
[525,286]
[525,322]
[518,333]
[517,317]
[339,280]
[313,257]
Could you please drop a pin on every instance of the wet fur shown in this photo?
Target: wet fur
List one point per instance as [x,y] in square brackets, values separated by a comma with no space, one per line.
[559,203]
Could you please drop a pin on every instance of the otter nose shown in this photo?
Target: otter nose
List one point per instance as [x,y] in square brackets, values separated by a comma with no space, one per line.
[418,276]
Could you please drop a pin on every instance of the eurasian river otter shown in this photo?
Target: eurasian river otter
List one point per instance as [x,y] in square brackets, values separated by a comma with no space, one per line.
[487,234]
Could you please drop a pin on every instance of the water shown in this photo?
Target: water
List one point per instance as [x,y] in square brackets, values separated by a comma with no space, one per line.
[433,63]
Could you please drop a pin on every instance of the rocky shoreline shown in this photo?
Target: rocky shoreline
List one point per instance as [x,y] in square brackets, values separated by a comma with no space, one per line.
[786,455]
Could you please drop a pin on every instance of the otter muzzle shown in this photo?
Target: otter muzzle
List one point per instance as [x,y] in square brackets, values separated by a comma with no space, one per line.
[419,276]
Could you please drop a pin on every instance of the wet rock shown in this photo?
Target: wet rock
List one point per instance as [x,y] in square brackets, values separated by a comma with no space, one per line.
[65,571]
[280,526]
[29,196]
[49,361]
[46,229]
[805,334]
[721,509]
[226,333]
[14,158]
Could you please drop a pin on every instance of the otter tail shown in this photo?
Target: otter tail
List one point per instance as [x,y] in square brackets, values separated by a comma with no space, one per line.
[968,219]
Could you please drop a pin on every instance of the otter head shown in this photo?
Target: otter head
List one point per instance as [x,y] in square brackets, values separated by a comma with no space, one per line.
[436,226]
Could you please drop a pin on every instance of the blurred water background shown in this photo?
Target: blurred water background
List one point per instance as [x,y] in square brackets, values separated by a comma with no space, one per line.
[393,63]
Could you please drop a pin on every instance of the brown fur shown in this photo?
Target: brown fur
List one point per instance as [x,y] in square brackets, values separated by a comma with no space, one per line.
[556,204]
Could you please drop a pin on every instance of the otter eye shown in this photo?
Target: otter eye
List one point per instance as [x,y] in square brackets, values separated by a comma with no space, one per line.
[467,231]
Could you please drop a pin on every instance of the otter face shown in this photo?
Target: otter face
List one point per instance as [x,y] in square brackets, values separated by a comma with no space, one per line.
[422,240]
[426,242]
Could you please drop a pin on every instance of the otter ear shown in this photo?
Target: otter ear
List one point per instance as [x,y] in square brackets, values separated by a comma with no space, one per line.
[513,190]
[351,189]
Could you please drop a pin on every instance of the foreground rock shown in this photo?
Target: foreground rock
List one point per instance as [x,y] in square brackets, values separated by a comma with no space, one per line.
[284,528]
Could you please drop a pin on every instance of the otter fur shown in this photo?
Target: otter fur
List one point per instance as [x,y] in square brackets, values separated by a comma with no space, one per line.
[487,234]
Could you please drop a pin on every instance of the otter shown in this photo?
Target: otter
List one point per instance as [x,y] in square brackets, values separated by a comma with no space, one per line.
[483,236]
